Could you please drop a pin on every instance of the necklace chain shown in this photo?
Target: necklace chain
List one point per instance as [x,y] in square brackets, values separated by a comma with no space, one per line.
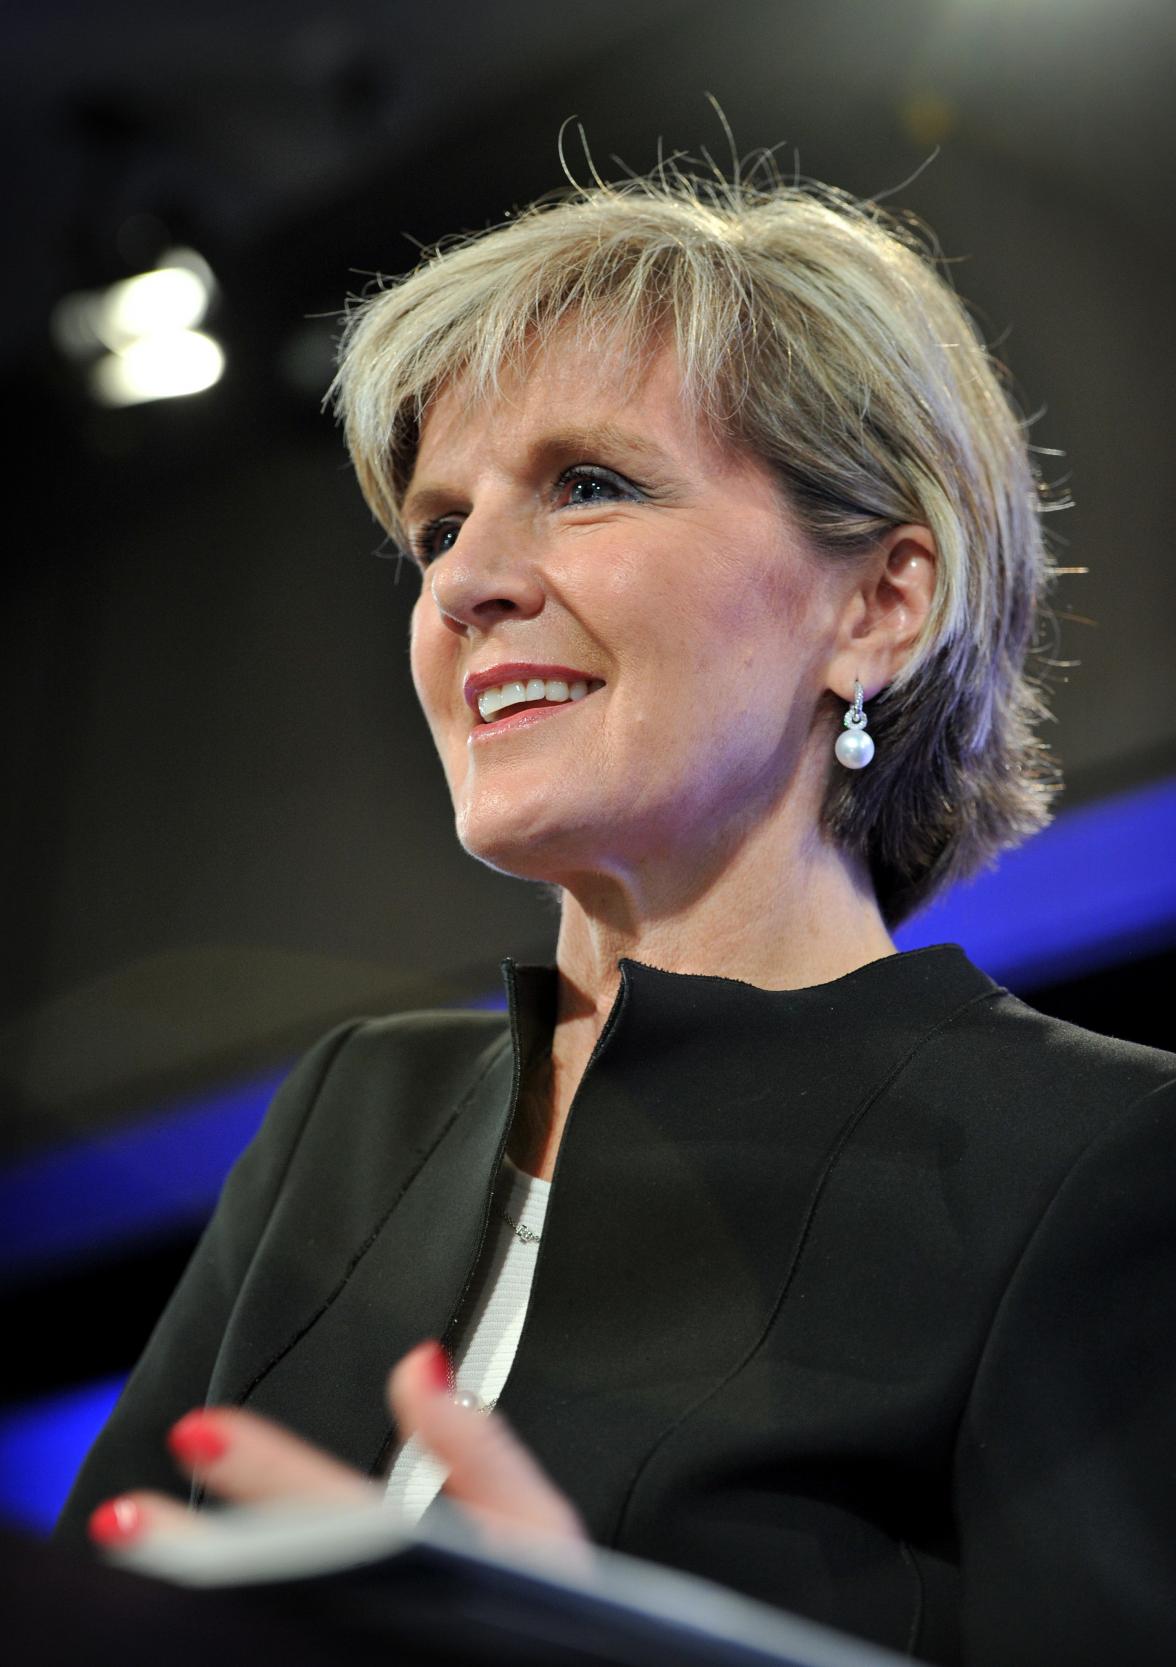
[467,1397]
[520,1229]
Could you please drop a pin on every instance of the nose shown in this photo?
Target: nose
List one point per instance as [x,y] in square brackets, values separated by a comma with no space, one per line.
[485,578]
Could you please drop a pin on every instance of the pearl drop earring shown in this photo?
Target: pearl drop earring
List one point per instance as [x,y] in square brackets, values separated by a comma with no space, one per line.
[854,748]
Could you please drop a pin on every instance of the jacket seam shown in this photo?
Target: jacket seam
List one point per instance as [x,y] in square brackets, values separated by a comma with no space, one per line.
[916,1626]
[327,1065]
[347,1033]
[324,1072]
[242,1396]
[841,1141]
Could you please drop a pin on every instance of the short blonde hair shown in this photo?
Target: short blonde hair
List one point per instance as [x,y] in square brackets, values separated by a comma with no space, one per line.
[816,332]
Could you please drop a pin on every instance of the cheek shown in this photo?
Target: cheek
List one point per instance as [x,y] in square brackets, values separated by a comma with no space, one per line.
[716,605]
[640,601]
[426,657]
[433,679]
[418,658]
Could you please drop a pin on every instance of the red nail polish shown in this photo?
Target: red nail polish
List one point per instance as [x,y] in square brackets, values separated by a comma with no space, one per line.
[438,1364]
[196,1439]
[115,1522]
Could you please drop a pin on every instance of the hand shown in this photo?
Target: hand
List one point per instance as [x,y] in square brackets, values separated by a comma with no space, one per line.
[249,1460]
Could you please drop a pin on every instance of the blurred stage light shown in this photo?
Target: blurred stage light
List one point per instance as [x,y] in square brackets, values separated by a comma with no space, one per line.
[163,365]
[147,325]
[172,298]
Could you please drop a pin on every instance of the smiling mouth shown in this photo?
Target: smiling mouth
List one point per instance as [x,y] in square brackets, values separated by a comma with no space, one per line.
[510,700]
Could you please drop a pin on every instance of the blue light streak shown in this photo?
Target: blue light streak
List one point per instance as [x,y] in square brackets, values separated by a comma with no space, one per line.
[1095,888]
[41,1447]
[155,1177]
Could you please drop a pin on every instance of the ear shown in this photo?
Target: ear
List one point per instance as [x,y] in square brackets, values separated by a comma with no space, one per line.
[884,612]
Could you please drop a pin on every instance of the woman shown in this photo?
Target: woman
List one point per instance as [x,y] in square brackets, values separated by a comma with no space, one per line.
[855,1286]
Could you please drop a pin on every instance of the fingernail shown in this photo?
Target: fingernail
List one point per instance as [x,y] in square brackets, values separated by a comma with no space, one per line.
[196,1439]
[437,1363]
[115,1521]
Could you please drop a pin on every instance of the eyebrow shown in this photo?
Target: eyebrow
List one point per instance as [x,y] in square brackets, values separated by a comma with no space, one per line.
[608,438]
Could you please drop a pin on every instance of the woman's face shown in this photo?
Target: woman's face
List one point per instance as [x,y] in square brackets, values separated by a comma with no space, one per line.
[585,528]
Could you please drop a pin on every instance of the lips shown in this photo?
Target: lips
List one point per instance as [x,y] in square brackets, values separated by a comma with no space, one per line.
[524,687]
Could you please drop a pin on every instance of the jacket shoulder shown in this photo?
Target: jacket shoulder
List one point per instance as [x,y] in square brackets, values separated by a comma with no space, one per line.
[383,1079]
[1027,1035]
[1037,1080]
[404,1042]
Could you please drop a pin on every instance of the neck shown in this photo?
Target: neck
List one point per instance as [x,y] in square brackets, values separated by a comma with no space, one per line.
[778,913]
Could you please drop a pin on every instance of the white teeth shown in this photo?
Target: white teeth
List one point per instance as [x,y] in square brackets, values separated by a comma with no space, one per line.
[553,690]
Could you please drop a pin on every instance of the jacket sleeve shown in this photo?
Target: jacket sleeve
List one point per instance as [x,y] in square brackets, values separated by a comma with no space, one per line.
[174,1372]
[1066,1471]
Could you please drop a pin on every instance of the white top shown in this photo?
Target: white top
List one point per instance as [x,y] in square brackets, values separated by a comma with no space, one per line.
[491,1325]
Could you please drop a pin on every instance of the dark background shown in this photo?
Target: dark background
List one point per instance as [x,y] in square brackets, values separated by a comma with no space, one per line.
[225,828]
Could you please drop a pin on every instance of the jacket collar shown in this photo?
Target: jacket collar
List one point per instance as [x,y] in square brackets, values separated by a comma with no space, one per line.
[661,1010]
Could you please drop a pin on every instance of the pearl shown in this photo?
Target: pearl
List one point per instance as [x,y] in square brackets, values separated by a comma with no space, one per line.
[854,748]
[466,1398]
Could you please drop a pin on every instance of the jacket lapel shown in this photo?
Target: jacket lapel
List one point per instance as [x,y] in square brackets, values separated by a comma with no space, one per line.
[376,1255]
[382,1285]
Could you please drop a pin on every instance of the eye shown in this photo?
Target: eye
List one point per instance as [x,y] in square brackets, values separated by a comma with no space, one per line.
[587,483]
[435,538]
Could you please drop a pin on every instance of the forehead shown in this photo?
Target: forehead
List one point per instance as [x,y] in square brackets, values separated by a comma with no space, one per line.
[568,387]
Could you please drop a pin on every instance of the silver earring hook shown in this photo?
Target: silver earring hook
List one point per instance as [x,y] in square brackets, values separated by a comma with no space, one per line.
[853,747]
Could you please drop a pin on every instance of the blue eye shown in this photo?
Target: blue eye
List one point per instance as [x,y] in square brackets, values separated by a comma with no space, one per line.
[588,484]
[435,539]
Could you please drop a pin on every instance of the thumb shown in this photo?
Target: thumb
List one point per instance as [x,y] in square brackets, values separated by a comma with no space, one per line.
[491,1473]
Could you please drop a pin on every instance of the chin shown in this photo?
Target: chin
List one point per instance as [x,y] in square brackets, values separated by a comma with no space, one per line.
[529,847]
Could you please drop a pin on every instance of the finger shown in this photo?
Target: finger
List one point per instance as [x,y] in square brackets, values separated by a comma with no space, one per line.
[247,1459]
[131,1516]
[490,1471]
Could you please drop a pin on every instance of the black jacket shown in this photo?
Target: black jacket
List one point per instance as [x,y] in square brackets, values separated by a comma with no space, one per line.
[859,1298]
